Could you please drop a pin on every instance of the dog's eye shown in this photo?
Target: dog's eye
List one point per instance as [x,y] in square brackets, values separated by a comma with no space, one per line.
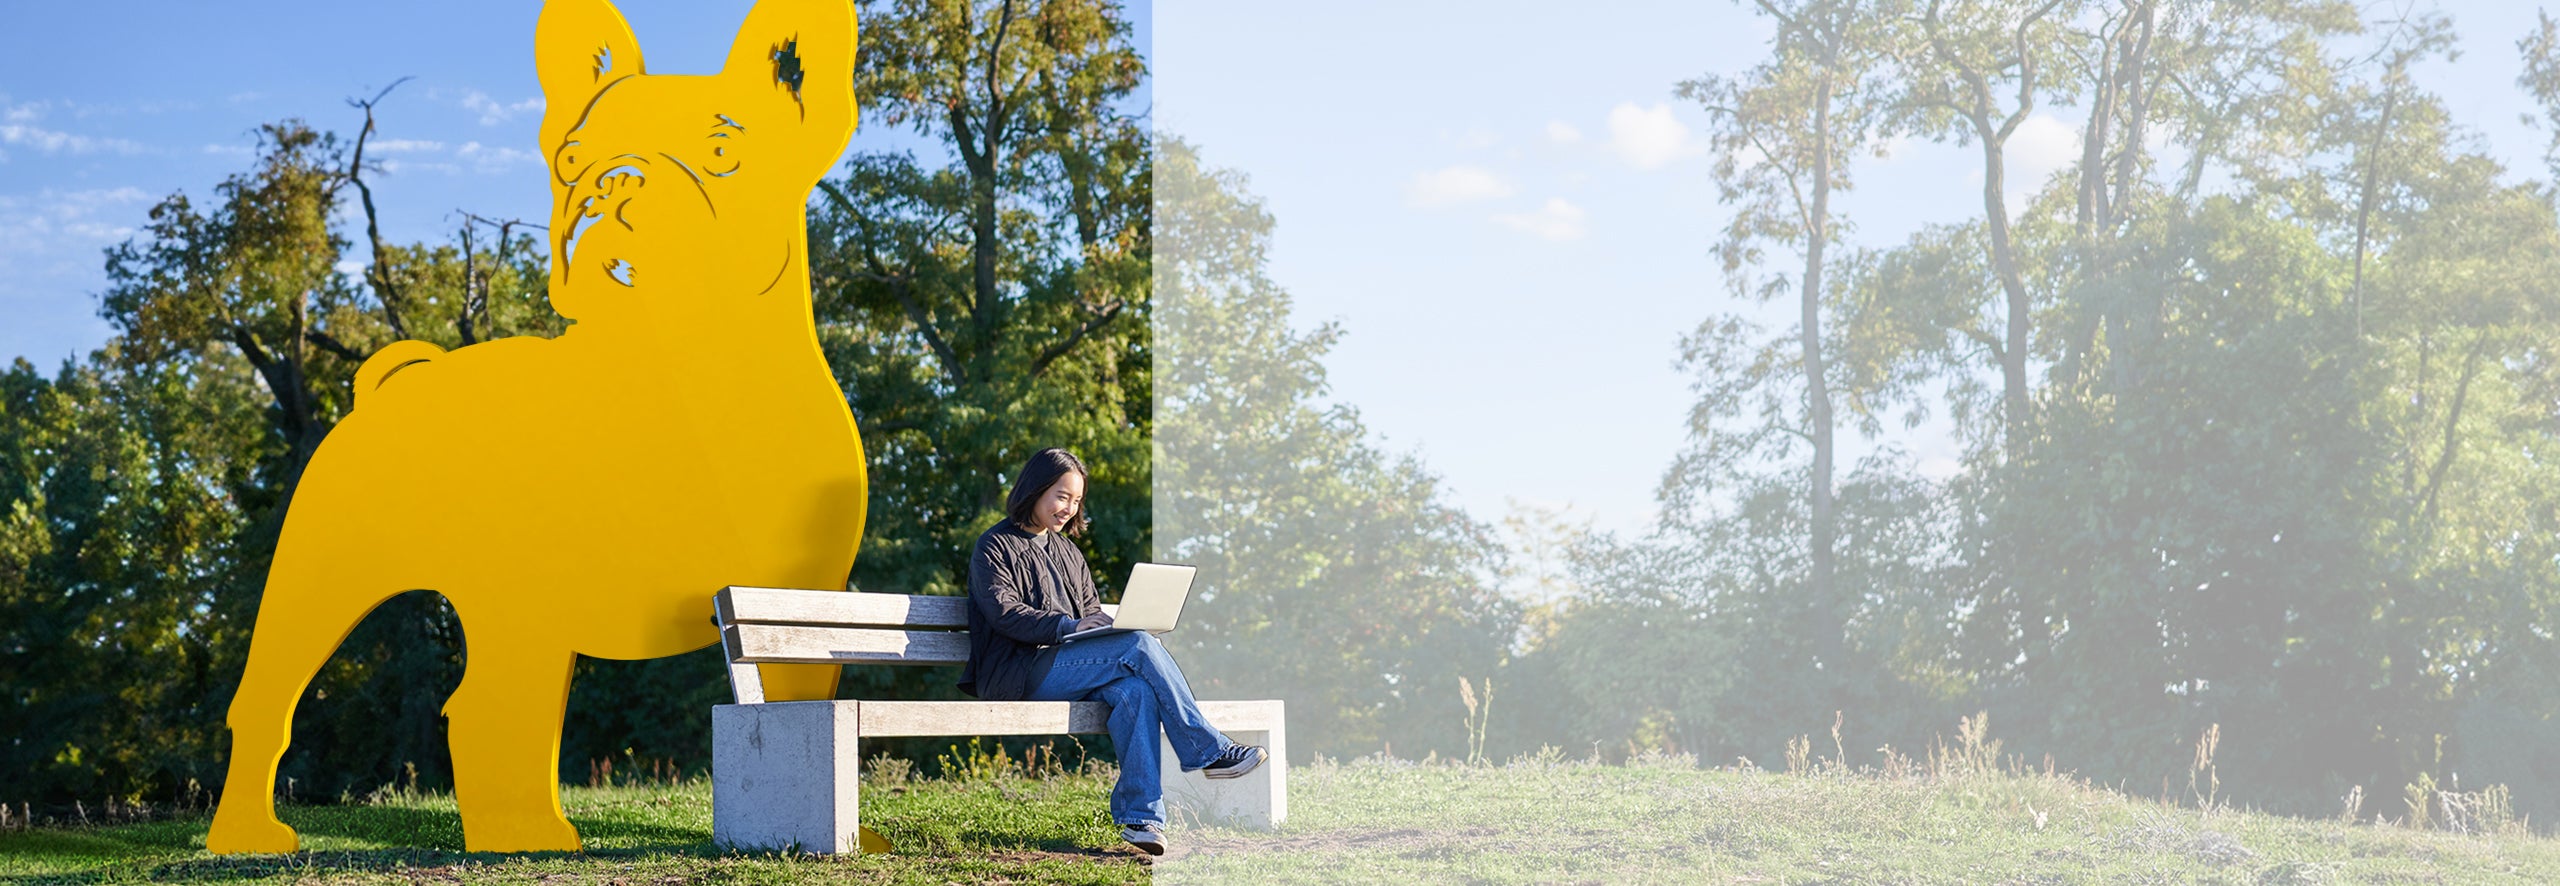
[786,66]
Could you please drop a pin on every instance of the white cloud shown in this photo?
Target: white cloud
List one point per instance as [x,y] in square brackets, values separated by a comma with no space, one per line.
[56,231]
[472,156]
[86,110]
[492,112]
[229,150]
[1563,133]
[396,167]
[1555,220]
[18,127]
[1456,184]
[54,142]
[488,159]
[2042,146]
[405,146]
[1648,137]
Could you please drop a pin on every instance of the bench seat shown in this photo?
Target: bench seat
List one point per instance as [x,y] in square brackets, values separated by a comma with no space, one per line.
[786,774]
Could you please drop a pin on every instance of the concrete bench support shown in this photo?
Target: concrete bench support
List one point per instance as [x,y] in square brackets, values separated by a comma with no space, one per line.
[1258,799]
[783,776]
[786,775]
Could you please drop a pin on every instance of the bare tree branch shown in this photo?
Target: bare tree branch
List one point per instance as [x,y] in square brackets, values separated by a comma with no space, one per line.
[331,344]
[379,274]
[1108,313]
[901,287]
[2452,428]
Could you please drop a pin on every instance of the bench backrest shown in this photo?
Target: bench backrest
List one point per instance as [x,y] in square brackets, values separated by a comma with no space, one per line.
[786,626]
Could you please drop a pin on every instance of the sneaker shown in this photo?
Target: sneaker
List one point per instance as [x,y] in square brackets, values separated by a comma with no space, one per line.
[1147,837]
[1238,760]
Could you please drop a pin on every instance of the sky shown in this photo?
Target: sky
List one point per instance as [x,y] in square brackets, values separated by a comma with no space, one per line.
[1510,214]
[1502,203]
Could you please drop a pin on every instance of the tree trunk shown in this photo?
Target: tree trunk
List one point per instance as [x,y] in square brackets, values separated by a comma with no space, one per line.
[1830,611]
[2369,191]
[2134,312]
[2004,263]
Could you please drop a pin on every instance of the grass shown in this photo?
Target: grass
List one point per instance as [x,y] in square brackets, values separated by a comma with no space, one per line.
[971,830]
[1538,819]
[1663,819]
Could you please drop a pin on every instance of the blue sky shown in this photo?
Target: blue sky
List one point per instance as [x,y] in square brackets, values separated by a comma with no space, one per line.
[1501,202]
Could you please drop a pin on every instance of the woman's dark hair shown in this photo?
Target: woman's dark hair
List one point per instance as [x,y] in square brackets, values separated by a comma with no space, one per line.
[1037,475]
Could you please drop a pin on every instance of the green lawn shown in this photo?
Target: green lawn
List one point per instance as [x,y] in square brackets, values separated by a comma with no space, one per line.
[1667,821]
[1011,830]
[1534,821]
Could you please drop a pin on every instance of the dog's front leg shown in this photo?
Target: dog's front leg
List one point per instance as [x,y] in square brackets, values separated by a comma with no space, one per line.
[505,729]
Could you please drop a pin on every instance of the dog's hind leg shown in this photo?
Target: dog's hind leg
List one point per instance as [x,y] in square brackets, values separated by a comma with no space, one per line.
[305,613]
[505,726]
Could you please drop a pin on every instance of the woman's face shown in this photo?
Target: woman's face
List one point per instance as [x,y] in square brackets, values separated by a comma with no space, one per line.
[1058,505]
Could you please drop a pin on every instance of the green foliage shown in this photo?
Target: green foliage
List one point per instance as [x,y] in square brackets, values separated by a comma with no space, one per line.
[994,304]
[1332,575]
[2253,437]
[117,515]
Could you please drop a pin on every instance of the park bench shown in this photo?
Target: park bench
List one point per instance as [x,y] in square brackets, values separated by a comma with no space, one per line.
[784,774]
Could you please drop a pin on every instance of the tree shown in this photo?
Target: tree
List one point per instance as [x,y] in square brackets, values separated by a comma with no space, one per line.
[983,310]
[2225,513]
[1977,83]
[1331,573]
[120,521]
[1787,131]
[239,309]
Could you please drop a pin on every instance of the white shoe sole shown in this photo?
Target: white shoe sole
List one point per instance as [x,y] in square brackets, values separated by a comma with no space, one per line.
[1237,771]
[1150,847]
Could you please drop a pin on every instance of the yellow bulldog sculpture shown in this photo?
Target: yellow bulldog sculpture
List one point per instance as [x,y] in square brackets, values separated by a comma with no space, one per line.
[585,495]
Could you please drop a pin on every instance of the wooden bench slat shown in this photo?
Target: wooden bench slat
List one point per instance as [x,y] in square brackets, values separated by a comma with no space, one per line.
[801,644]
[910,718]
[743,605]
[789,606]
[931,718]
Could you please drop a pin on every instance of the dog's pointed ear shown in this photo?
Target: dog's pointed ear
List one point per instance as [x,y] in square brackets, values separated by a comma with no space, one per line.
[578,47]
[801,53]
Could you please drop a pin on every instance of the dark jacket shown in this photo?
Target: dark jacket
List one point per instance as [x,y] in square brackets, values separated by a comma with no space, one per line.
[1025,592]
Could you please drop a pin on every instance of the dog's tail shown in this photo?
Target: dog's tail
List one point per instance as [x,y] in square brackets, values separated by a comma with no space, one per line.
[391,359]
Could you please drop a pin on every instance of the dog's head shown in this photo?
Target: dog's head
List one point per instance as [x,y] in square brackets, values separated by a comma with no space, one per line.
[678,186]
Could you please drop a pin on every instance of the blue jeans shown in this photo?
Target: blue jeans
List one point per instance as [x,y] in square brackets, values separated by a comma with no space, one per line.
[1133,673]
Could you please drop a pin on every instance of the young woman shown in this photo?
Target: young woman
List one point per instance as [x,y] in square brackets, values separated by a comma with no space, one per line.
[1028,587]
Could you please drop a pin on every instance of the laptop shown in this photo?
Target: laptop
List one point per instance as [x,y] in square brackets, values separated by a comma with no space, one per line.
[1152,602]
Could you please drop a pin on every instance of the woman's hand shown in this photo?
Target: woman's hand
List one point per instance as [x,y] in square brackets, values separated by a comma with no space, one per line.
[1090,622]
